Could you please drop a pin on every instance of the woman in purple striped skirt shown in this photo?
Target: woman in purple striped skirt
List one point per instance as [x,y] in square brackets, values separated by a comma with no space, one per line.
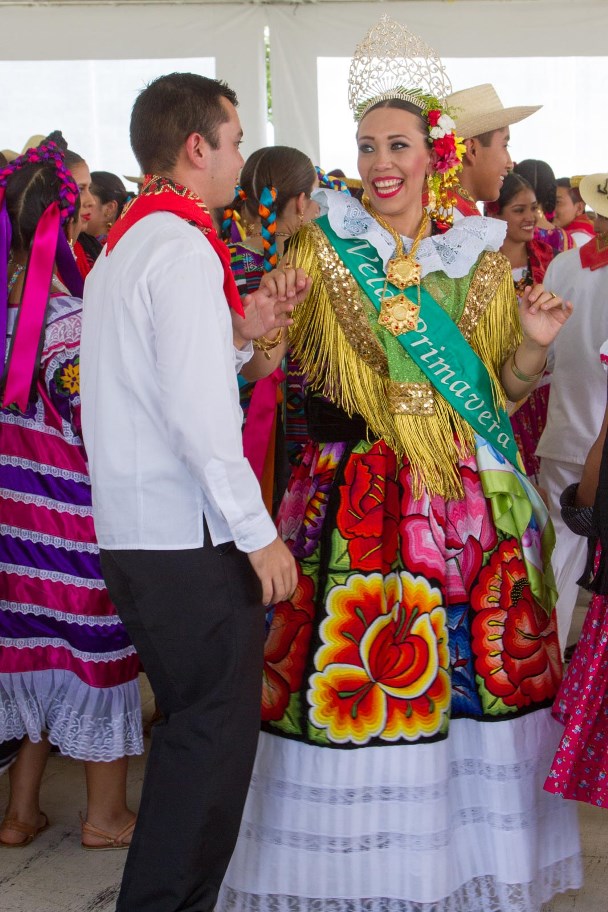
[68,673]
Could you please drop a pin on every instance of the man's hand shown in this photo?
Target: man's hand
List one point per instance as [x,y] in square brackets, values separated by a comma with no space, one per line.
[270,307]
[276,570]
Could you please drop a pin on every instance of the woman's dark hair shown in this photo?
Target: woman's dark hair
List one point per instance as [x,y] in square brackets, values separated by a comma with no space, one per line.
[288,170]
[109,188]
[512,185]
[29,192]
[169,110]
[73,158]
[401,105]
[540,175]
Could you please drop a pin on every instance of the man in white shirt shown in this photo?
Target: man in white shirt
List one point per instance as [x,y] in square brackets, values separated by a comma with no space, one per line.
[189,552]
[578,391]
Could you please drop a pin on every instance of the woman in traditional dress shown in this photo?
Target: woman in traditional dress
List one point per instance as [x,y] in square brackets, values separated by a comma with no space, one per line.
[408,684]
[68,672]
[580,768]
[273,200]
[529,257]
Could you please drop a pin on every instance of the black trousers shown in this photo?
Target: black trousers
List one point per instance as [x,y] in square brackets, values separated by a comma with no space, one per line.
[197,622]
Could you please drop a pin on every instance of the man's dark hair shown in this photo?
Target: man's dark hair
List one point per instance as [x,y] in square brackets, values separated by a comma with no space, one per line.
[573,192]
[169,110]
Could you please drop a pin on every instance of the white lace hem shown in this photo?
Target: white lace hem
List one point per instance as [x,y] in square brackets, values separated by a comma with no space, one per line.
[406,827]
[453,253]
[481,894]
[86,723]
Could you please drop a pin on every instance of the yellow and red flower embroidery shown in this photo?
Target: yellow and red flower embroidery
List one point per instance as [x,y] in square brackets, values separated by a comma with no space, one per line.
[383,666]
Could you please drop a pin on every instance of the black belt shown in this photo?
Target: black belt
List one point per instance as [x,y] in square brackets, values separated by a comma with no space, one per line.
[327,423]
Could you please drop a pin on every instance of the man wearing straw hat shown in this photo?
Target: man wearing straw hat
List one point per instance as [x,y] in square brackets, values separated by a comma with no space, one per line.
[578,390]
[483,122]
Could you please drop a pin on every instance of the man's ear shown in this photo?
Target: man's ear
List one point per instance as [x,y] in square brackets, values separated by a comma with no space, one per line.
[579,209]
[196,149]
[470,154]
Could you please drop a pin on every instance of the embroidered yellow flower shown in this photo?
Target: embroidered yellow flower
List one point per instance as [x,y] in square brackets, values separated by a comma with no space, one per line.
[383,668]
[70,378]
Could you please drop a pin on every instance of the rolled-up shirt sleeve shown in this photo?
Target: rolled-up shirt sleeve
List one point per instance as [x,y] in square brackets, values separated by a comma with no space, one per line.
[196,361]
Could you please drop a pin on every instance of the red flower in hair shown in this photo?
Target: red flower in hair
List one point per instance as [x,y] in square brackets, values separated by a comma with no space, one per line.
[433,117]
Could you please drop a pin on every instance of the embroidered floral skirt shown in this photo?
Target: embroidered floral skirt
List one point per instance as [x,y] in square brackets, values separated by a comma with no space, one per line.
[406,708]
[580,767]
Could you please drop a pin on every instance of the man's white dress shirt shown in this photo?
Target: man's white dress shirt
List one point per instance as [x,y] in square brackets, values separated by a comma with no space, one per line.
[160,404]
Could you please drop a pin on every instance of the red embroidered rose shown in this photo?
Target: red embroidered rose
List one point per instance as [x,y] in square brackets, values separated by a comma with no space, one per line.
[286,649]
[369,508]
[515,642]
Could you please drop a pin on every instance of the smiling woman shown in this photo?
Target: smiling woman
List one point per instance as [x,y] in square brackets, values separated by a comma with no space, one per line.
[408,681]
[529,257]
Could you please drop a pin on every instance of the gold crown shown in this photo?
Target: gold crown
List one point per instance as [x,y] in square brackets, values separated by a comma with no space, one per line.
[392,62]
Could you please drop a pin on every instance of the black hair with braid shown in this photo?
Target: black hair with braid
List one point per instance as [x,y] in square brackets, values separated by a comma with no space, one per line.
[29,192]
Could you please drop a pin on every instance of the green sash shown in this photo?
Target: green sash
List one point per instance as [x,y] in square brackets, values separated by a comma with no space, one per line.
[437,347]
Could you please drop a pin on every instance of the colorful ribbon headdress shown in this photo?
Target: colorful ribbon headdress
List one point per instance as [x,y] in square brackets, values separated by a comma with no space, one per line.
[49,245]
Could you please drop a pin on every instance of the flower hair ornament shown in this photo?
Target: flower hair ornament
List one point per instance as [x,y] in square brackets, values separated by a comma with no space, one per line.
[393,63]
[49,246]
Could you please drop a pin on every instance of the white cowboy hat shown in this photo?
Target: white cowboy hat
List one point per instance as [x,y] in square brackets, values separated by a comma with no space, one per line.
[594,190]
[479,110]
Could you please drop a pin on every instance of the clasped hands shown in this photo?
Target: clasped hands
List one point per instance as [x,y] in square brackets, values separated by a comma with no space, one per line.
[270,307]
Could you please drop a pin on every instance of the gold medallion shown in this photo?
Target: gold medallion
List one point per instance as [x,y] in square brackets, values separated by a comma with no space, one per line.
[398,314]
[403,272]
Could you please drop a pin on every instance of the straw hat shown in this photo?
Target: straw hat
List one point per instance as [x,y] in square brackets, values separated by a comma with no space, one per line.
[479,110]
[594,190]
[135,180]
[35,140]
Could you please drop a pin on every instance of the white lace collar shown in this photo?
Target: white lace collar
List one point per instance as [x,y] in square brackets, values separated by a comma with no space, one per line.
[453,253]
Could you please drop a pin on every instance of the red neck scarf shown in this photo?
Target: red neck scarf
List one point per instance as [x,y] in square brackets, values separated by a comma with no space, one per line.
[159,194]
[594,254]
[582,223]
[540,255]
[464,202]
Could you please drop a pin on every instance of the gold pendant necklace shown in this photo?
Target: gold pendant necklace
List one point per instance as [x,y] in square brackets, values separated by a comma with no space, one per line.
[397,313]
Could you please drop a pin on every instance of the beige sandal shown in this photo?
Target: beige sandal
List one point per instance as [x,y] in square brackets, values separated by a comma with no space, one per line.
[110,840]
[29,832]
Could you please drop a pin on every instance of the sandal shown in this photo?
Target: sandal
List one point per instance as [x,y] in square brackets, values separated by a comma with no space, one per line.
[29,832]
[110,840]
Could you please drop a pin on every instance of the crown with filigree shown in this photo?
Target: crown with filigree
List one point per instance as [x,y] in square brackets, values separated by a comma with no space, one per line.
[392,62]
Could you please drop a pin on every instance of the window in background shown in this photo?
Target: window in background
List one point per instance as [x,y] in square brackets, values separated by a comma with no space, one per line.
[90,101]
[568,132]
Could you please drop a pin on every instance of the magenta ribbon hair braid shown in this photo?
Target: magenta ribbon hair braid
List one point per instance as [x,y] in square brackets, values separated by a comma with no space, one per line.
[49,246]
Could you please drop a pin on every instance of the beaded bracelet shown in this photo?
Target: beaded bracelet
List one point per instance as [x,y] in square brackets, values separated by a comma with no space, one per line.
[266,345]
[526,378]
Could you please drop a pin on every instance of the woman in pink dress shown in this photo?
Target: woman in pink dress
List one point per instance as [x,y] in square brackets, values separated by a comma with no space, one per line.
[580,767]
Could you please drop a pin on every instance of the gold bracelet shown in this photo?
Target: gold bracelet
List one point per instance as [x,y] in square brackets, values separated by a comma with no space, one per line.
[526,378]
[266,345]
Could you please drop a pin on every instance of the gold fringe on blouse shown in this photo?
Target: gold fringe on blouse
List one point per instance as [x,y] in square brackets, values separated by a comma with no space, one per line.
[339,353]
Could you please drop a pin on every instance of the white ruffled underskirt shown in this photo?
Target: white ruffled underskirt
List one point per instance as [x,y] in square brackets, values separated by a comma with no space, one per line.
[461,825]
[86,723]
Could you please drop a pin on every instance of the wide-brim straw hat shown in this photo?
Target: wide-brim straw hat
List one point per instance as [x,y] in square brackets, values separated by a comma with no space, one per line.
[479,110]
[134,180]
[594,190]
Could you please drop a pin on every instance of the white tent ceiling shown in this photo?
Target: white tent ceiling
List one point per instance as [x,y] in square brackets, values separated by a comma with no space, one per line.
[300,33]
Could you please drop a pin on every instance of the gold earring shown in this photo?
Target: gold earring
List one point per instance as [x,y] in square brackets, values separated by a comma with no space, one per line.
[300,218]
[431,195]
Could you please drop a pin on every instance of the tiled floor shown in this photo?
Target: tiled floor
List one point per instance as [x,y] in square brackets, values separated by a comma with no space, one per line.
[55,875]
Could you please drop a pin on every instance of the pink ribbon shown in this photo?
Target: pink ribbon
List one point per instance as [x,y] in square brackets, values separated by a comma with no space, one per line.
[260,417]
[25,346]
